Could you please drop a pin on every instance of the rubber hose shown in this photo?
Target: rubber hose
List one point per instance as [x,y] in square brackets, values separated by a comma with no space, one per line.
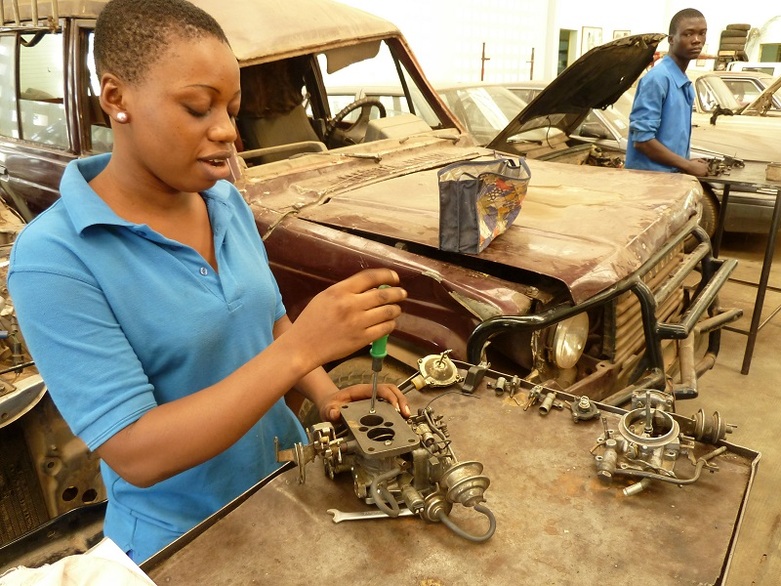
[466,535]
[392,508]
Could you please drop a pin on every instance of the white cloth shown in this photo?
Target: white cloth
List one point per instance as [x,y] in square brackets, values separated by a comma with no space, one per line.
[105,563]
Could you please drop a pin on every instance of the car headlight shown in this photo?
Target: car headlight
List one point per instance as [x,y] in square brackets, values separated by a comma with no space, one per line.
[569,340]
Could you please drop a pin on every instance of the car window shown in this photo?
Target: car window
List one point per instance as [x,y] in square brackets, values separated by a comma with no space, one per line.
[8,123]
[379,76]
[712,92]
[41,90]
[744,90]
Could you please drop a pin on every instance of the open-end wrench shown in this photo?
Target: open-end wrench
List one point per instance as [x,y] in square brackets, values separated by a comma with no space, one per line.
[340,516]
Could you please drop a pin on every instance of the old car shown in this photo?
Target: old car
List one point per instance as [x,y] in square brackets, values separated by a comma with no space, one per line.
[596,288]
[747,85]
[750,210]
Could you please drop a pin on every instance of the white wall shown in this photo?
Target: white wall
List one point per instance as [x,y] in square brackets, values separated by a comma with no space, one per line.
[448,35]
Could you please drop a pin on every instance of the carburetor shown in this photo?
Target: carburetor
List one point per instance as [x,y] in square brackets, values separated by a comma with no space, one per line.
[648,442]
[397,463]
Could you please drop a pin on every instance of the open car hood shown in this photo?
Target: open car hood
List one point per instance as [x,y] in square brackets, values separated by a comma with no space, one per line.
[595,80]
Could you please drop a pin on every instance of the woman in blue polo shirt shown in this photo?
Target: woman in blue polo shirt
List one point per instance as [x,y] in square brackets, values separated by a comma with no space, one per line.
[146,299]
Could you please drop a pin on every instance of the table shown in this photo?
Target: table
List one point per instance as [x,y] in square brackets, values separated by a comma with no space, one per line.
[751,178]
[556,522]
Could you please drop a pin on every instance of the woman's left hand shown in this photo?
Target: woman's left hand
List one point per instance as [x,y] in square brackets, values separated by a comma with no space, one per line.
[330,406]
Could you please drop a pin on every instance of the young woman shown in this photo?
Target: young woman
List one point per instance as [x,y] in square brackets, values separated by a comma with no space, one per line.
[145,295]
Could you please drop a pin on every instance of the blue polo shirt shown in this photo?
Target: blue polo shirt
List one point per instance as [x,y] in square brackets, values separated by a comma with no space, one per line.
[120,319]
[662,109]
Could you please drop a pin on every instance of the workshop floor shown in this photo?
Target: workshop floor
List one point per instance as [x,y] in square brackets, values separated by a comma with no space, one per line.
[750,402]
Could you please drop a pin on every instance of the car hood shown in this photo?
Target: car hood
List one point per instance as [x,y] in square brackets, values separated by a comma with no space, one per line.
[595,80]
[585,227]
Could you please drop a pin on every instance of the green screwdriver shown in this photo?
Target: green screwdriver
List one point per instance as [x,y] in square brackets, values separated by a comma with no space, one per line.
[378,353]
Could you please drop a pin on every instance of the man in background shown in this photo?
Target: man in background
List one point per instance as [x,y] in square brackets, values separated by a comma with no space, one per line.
[660,122]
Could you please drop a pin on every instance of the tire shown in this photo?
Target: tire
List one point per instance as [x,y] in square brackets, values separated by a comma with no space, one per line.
[734,34]
[710,214]
[354,371]
[732,45]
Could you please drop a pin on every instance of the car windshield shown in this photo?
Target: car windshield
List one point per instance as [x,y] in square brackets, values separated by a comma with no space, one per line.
[745,90]
[376,76]
[332,98]
[753,87]
[484,110]
[618,114]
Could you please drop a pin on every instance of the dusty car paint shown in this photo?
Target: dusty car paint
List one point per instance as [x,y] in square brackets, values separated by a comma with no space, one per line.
[586,259]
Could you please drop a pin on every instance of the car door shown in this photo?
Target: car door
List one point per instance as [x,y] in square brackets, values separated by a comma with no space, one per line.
[43,126]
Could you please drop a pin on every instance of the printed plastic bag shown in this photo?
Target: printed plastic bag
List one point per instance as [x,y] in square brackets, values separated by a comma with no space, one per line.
[478,201]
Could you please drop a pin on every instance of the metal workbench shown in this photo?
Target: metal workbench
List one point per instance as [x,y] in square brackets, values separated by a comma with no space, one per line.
[556,522]
[751,178]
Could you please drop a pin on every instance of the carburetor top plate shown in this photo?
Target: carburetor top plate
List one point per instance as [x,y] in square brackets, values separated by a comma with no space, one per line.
[382,433]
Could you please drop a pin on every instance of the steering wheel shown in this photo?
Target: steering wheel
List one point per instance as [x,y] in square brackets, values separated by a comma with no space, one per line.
[356,132]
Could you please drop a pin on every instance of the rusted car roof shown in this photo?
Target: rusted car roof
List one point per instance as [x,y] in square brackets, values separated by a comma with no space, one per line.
[314,23]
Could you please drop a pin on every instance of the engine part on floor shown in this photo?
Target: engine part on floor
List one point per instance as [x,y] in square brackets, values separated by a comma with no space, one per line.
[398,463]
[545,395]
[722,165]
[474,375]
[647,445]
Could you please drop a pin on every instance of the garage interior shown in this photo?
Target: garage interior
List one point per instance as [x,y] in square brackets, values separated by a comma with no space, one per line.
[744,399]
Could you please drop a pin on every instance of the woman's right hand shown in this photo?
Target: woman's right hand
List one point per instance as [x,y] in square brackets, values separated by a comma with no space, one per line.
[349,315]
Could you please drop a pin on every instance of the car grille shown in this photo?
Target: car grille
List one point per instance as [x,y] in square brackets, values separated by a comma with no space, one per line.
[624,336]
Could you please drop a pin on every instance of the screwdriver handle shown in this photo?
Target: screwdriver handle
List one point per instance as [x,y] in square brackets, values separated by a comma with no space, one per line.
[379,347]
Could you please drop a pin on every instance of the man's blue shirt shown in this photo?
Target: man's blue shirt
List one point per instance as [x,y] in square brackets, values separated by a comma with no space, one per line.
[662,109]
[120,319]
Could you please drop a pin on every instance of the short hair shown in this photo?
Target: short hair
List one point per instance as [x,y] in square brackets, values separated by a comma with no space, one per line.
[130,35]
[681,15]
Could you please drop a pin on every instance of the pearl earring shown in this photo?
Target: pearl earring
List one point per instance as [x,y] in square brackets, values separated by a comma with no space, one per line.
[122,117]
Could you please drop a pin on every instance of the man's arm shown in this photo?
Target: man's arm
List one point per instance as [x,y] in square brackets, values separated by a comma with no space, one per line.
[657,152]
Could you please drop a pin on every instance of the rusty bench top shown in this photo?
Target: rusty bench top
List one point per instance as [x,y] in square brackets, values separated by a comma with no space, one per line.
[556,522]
